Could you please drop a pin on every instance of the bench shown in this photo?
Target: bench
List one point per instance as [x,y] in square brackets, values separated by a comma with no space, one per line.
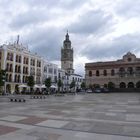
[37,97]
[58,94]
[72,93]
[15,99]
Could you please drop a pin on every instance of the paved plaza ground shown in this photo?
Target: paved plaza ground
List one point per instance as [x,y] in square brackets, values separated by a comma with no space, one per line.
[110,116]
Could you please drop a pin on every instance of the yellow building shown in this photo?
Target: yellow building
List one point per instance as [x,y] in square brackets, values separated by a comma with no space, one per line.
[19,63]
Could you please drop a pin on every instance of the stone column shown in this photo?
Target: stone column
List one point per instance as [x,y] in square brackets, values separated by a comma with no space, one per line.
[5,59]
[22,58]
[14,59]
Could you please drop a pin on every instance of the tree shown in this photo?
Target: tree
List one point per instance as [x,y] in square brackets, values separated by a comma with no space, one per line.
[59,84]
[2,78]
[90,86]
[96,86]
[111,85]
[48,83]
[138,84]
[83,85]
[30,82]
[105,85]
[72,84]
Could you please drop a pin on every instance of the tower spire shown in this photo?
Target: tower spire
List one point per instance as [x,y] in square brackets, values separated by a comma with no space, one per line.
[18,39]
[67,36]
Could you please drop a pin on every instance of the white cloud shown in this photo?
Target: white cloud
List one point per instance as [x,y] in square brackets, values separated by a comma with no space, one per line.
[97,27]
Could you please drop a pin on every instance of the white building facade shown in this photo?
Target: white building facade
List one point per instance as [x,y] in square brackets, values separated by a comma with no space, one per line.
[19,63]
[50,70]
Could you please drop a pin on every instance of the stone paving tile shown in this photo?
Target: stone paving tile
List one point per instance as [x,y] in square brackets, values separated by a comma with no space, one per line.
[12,118]
[6,129]
[80,126]
[131,131]
[133,117]
[56,113]
[113,113]
[53,123]
[11,124]
[44,135]
[106,128]
[32,120]
[94,136]
[15,136]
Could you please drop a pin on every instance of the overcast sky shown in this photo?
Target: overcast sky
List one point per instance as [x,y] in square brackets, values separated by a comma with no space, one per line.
[100,30]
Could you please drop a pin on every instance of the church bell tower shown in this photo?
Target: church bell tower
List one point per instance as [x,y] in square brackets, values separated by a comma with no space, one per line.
[67,55]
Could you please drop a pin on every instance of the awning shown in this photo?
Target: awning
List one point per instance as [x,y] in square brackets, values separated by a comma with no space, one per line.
[36,86]
[52,86]
[22,86]
[43,86]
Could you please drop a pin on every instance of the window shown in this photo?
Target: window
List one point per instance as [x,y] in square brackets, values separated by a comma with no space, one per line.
[112,72]
[19,59]
[122,72]
[26,70]
[45,69]
[90,73]
[15,78]
[26,60]
[97,73]
[7,68]
[10,78]
[50,70]
[137,70]
[23,79]
[7,56]
[11,68]
[16,68]
[11,57]
[16,58]
[55,79]
[31,62]
[6,77]
[18,79]
[129,59]
[54,71]
[105,73]
[130,70]
[59,75]
[0,55]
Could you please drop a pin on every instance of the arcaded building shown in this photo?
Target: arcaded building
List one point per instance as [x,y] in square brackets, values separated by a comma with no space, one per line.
[122,73]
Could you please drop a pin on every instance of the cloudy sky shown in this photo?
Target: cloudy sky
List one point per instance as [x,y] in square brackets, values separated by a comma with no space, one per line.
[100,30]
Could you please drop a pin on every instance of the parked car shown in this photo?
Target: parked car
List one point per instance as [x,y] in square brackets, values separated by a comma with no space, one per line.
[89,91]
[98,90]
[105,90]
